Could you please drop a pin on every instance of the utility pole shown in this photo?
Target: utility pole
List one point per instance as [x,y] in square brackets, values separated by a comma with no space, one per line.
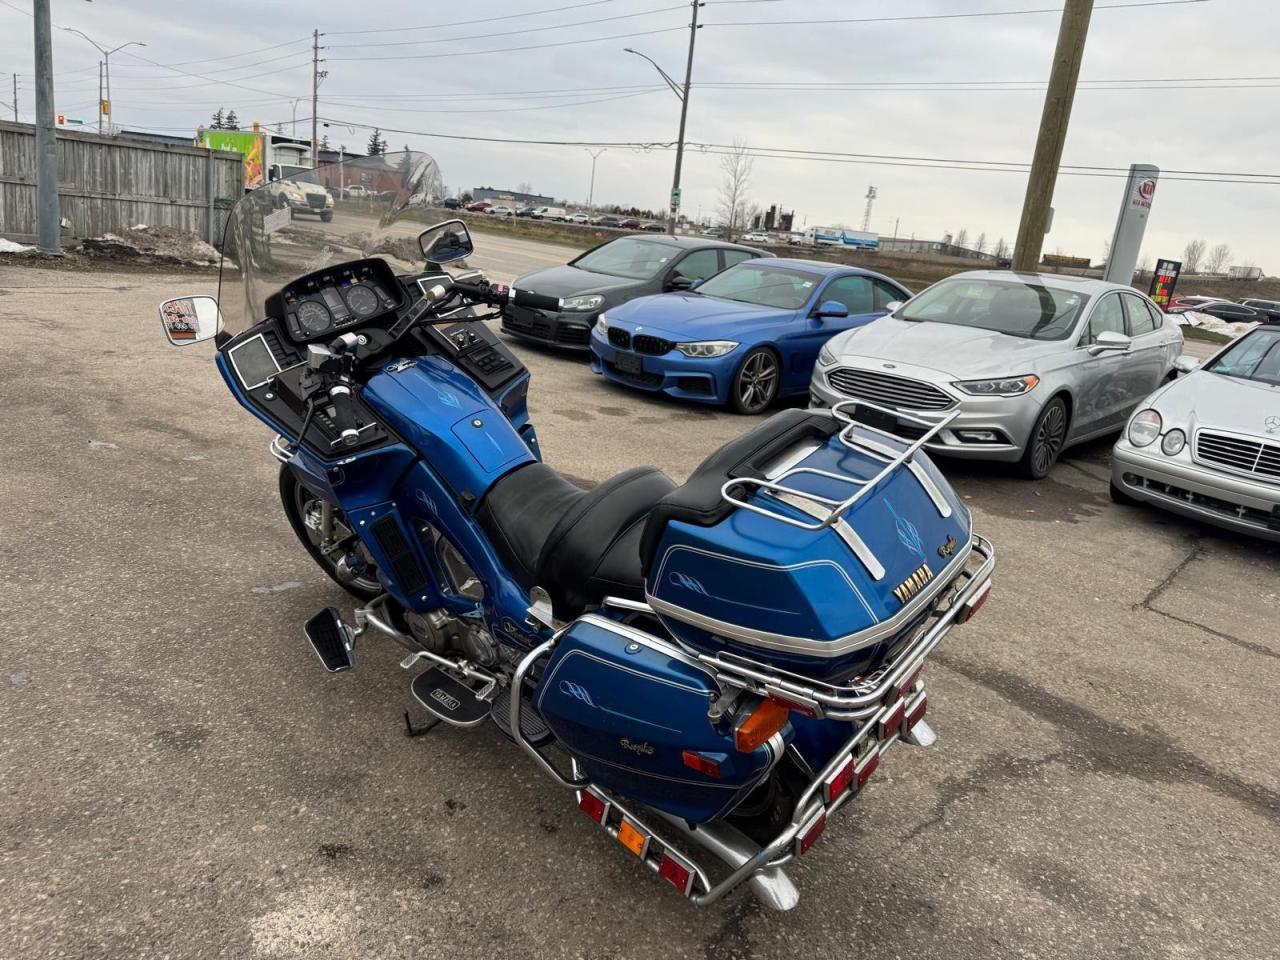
[15,98]
[866,214]
[99,98]
[1053,133]
[684,113]
[591,191]
[316,76]
[47,209]
[104,68]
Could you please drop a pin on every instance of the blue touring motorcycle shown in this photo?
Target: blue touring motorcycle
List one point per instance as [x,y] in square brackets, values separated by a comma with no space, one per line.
[714,668]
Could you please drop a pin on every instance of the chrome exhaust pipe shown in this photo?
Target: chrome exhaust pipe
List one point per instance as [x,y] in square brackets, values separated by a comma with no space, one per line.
[772,887]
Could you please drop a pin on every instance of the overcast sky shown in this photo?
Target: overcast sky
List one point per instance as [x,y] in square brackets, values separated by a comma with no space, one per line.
[604,94]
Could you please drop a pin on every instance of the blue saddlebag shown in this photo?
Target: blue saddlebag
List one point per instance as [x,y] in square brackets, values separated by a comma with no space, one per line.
[628,706]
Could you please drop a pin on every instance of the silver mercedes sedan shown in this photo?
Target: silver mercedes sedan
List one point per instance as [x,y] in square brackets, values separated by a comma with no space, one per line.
[1207,446]
[1033,363]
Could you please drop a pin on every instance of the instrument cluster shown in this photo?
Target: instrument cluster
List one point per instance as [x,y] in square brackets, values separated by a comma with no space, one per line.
[327,302]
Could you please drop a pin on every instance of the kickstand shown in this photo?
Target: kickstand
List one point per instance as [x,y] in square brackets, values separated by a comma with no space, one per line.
[411,731]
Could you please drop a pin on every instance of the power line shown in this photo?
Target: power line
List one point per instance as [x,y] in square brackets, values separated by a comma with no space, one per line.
[533,46]
[509,33]
[467,23]
[473,110]
[944,16]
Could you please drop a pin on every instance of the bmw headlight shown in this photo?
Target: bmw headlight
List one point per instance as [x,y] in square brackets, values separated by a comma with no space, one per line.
[1173,443]
[582,304]
[1007,387]
[1144,428]
[707,348]
[825,356]
[602,324]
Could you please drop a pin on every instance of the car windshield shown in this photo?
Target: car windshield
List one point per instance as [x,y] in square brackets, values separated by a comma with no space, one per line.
[1018,308]
[288,228]
[1255,356]
[632,257]
[762,284]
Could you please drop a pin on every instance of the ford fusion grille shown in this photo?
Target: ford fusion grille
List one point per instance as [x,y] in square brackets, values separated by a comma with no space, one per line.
[1241,454]
[643,343]
[888,390]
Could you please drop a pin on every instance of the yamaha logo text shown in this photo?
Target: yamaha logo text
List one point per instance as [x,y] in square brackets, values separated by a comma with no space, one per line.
[909,587]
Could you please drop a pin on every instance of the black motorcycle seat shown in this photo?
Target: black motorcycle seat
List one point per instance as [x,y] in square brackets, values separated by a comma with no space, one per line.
[579,545]
[698,501]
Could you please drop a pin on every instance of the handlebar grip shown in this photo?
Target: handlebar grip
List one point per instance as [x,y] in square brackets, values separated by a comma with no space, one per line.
[535,301]
[344,416]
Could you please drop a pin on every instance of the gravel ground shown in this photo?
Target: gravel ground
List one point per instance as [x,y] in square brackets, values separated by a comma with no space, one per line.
[180,779]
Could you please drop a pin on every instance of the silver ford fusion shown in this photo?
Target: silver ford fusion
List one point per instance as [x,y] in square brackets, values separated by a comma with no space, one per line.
[1034,363]
[1207,445]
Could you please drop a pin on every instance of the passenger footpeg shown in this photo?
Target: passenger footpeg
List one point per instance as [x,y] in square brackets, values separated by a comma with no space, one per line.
[533,727]
[449,699]
[332,640]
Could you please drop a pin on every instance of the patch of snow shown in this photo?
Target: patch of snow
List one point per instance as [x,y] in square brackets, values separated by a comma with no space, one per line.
[1203,321]
[8,246]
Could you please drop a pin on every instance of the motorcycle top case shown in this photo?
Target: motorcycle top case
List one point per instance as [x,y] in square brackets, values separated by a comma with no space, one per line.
[832,603]
[629,706]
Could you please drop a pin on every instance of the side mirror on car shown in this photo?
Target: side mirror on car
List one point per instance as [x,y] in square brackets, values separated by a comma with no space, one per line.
[833,309]
[679,282]
[1185,364]
[188,320]
[1110,342]
[893,306]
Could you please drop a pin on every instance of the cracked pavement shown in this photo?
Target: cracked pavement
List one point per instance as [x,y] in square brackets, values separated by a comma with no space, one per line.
[180,779]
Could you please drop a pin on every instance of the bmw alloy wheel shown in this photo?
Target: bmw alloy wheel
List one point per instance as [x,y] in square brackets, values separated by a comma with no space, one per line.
[756,384]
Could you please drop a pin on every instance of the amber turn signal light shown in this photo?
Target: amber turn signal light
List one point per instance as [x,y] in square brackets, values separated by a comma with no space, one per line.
[763,722]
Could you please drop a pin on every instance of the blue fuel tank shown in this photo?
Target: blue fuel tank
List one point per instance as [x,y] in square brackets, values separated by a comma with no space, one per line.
[831,603]
[629,706]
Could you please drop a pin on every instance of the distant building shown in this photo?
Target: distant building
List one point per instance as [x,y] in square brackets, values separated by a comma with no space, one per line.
[515,196]
[942,248]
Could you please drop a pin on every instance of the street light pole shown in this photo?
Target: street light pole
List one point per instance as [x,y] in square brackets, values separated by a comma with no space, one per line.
[591,191]
[683,95]
[106,70]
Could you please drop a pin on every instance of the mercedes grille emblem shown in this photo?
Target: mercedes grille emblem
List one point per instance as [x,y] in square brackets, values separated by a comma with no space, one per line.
[1273,424]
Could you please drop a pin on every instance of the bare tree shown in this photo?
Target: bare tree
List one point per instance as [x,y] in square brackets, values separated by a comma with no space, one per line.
[736,167]
[1192,254]
[524,188]
[1002,249]
[1218,258]
[962,237]
[981,243]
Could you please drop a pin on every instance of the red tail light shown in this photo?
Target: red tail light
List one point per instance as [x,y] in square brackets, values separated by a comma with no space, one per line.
[903,686]
[702,763]
[811,831]
[863,769]
[838,782]
[892,720]
[676,872]
[974,603]
[593,806]
[915,714]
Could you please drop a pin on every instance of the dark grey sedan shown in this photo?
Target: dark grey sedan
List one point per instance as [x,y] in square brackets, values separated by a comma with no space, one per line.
[612,274]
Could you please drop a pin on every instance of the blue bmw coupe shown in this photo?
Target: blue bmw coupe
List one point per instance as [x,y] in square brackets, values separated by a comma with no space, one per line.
[745,337]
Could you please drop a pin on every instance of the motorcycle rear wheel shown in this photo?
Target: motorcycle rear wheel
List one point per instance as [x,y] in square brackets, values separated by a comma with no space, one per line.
[298,503]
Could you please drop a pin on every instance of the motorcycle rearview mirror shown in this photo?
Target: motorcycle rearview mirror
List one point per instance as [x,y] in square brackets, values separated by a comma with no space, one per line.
[188,320]
[446,242]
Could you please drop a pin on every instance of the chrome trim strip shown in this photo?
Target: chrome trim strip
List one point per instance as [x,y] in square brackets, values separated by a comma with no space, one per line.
[790,459]
[657,644]
[860,549]
[931,488]
[824,649]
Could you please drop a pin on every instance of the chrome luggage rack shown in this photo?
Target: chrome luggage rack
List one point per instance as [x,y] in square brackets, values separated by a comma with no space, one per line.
[825,511]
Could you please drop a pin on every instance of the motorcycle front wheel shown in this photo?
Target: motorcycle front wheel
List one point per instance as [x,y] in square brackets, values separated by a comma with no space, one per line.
[347,562]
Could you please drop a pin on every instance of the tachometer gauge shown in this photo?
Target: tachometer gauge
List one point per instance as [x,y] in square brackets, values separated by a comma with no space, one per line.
[362,301]
[313,317]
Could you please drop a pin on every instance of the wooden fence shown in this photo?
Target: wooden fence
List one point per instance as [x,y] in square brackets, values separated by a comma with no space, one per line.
[110,184]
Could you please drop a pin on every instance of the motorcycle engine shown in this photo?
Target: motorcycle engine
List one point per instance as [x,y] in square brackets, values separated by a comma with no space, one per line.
[440,633]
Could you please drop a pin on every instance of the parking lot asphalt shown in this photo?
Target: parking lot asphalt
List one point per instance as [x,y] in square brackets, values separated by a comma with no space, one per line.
[180,779]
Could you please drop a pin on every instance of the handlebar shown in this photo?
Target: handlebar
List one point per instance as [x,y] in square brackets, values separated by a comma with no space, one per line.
[499,293]
[344,417]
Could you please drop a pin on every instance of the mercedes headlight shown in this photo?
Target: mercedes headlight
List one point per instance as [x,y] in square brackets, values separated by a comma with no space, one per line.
[707,348]
[602,324]
[825,355]
[1173,443]
[1007,387]
[582,304]
[1144,428]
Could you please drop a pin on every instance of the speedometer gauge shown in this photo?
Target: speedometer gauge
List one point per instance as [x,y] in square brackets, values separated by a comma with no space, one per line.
[362,301]
[313,317]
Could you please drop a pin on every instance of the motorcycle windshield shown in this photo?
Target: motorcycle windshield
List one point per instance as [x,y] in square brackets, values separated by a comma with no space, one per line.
[363,207]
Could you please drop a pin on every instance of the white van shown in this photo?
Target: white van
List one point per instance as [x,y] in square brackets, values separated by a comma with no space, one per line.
[549,213]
